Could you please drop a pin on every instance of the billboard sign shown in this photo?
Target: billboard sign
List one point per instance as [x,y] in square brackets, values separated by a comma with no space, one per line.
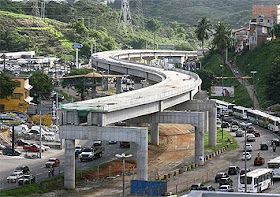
[222,91]
[77,46]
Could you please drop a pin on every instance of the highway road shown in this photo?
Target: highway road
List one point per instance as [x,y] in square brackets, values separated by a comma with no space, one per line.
[37,166]
[266,136]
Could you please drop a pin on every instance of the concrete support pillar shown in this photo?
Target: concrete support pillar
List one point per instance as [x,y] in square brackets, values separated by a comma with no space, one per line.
[133,149]
[206,121]
[69,166]
[213,126]
[154,129]
[142,157]
[199,142]
[118,85]
[93,92]
[105,83]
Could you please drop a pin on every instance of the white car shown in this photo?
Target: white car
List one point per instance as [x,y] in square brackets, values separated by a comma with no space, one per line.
[14,177]
[234,128]
[250,137]
[225,188]
[246,155]
[249,147]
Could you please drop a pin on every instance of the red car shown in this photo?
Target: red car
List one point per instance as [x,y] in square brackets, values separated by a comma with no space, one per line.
[33,148]
[259,161]
[53,162]
[257,133]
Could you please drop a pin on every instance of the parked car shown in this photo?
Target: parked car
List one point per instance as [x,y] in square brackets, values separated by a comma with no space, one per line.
[33,148]
[243,171]
[13,178]
[220,175]
[23,169]
[246,155]
[263,146]
[225,181]
[52,162]
[249,147]
[239,133]
[97,143]
[26,179]
[226,188]
[22,142]
[207,188]
[124,144]
[234,128]
[113,142]
[256,133]
[259,161]
[250,137]
[232,170]
[196,186]
[225,125]
[9,151]
[276,141]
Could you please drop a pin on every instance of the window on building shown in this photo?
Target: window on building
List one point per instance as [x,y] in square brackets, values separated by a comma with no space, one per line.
[21,104]
[16,96]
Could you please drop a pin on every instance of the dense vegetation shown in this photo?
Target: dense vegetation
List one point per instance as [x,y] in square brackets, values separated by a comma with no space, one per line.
[234,13]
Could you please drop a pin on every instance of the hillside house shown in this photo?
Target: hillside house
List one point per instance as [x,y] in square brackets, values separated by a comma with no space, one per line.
[241,38]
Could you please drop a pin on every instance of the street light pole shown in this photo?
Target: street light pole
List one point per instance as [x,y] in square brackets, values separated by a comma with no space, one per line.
[222,66]
[245,163]
[123,156]
[253,72]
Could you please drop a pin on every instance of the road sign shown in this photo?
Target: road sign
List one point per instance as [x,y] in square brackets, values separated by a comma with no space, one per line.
[77,46]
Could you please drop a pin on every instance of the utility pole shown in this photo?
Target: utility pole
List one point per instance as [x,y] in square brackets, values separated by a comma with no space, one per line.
[43,9]
[40,151]
[222,66]
[125,20]
[253,72]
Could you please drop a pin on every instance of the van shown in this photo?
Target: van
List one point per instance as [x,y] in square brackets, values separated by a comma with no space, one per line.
[21,129]
[49,136]
[9,151]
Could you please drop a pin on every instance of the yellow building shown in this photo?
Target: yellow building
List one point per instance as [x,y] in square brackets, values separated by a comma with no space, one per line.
[21,96]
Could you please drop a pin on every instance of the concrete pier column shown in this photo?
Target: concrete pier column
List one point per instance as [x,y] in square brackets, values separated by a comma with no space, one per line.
[93,92]
[142,156]
[118,85]
[199,140]
[213,125]
[154,129]
[69,165]
[133,149]
[105,83]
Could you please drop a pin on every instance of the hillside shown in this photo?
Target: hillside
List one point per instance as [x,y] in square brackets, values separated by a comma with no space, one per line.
[234,12]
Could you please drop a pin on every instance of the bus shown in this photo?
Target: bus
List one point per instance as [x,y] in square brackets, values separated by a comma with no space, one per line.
[225,105]
[258,117]
[222,111]
[274,164]
[257,180]
[240,112]
[273,123]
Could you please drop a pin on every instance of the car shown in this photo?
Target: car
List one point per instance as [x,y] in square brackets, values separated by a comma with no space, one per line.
[220,175]
[113,142]
[97,143]
[245,125]
[33,148]
[256,133]
[226,188]
[259,161]
[232,170]
[225,181]
[21,142]
[26,179]
[276,141]
[248,147]
[243,171]
[250,137]
[13,178]
[2,146]
[234,128]
[218,121]
[207,188]
[263,146]
[227,119]
[246,155]
[9,151]
[170,194]
[239,133]
[23,169]
[52,162]
[225,125]
[124,144]
[196,186]
[235,122]
[251,129]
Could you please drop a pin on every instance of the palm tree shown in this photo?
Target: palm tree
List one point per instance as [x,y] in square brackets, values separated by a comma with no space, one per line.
[222,38]
[202,31]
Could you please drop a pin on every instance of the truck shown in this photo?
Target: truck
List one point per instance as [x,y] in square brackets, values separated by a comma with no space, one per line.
[89,154]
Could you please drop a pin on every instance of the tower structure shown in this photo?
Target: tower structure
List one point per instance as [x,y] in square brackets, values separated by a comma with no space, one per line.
[140,12]
[35,9]
[125,21]
[43,9]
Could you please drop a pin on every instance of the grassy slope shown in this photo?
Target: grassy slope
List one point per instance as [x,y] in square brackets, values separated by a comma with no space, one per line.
[260,60]
[213,62]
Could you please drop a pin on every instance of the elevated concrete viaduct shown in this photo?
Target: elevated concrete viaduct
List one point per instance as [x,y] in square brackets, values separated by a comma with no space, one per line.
[89,119]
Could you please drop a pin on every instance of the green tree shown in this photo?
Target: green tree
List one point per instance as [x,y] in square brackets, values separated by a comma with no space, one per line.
[153,25]
[273,81]
[7,86]
[42,84]
[203,30]
[207,77]
[222,38]
[78,83]
[276,30]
